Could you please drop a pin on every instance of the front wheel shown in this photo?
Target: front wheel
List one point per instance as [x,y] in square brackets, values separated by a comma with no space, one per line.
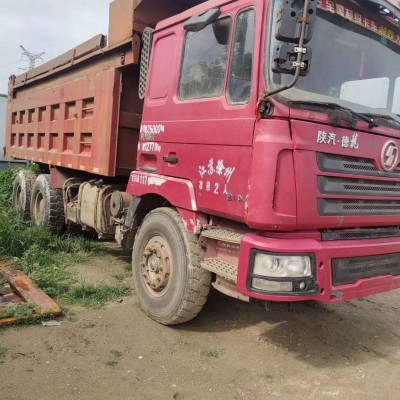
[171,285]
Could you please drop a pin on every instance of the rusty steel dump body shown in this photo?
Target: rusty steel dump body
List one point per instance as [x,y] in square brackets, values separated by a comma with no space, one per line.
[78,119]
[81,110]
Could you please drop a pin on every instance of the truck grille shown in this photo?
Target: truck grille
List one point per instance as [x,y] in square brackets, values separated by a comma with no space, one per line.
[356,187]
[351,165]
[361,187]
[361,233]
[351,270]
[334,207]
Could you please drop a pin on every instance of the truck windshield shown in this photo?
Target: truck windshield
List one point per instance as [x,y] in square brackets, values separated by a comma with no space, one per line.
[355,59]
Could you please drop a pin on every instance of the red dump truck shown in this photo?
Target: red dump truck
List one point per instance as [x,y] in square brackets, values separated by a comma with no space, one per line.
[251,145]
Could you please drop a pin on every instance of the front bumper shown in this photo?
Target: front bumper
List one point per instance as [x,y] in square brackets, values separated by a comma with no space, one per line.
[324,252]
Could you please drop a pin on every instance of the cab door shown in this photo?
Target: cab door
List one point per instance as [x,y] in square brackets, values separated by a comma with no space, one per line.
[208,116]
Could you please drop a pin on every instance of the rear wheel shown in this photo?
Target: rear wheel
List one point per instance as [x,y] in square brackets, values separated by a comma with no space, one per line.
[47,205]
[171,285]
[22,192]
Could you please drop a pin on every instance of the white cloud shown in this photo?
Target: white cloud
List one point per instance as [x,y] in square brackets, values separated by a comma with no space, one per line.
[53,26]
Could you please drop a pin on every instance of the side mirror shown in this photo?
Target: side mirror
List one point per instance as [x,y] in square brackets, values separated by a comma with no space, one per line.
[290,16]
[288,32]
[147,42]
[285,56]
[222,31]
[200,21]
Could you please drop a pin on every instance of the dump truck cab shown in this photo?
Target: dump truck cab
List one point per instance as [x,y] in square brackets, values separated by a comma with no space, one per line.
[309,175]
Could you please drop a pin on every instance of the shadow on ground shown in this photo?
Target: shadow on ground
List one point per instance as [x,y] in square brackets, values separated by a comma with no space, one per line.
[320,335]
[324,336]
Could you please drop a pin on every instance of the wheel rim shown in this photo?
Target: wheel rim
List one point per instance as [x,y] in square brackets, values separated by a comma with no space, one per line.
[38,209]
[18,197]
[156,266]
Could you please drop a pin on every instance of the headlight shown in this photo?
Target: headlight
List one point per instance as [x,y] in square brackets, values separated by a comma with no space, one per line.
[274,266]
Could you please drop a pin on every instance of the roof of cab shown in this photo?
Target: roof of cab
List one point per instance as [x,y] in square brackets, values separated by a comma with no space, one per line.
[207,5]
[176,19]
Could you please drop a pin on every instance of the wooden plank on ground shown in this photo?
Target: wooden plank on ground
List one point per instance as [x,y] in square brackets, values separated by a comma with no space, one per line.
[23,290]
[30,293]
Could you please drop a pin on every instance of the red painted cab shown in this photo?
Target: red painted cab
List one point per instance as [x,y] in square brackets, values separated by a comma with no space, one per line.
[307,178]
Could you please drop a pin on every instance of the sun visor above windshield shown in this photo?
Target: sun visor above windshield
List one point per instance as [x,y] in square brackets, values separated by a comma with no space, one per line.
[151,12]
[373,18]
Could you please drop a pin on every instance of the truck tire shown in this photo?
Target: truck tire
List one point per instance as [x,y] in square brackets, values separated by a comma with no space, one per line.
[171,286]
[22,192]
[47,207]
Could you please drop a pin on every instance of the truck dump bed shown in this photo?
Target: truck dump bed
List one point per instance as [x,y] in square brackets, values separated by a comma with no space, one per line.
[76,115]
[81,110]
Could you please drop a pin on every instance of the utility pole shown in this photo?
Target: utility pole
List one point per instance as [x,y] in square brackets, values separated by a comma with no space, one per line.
[31,57]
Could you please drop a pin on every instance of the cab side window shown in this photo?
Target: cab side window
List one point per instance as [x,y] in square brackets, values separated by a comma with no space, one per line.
[204,61]
[240,75]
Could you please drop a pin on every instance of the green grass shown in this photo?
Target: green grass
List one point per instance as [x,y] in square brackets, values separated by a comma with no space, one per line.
[6,180]
[20,311]
[111,363]
[115,354]
[3,281]
[45,258]
[119,278]
[95,296]
[3,353]
[214,353]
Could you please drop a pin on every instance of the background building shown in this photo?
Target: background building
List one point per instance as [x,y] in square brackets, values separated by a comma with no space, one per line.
[5,162]
[3,109]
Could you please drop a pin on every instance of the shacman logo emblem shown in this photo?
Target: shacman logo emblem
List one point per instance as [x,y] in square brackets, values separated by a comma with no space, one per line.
[390,156]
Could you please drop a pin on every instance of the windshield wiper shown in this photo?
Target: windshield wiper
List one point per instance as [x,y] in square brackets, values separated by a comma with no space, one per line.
[342,114]
[384,116]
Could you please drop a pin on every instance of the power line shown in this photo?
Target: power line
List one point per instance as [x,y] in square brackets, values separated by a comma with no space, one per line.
[8,65]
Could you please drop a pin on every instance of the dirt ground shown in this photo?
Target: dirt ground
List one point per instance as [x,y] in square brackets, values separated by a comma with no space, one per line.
[233,350]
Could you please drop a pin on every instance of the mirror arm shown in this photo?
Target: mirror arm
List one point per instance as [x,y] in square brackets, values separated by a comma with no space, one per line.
[304,21]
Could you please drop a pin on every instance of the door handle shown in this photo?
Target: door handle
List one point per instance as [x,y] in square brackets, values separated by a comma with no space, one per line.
[171,159]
